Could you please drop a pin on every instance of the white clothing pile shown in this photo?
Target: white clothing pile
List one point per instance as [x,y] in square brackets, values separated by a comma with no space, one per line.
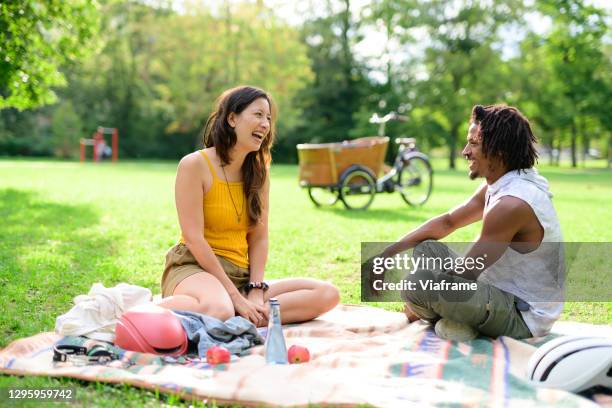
[94,315]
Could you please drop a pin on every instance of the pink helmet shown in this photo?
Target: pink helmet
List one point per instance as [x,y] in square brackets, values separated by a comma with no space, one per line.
[151,329]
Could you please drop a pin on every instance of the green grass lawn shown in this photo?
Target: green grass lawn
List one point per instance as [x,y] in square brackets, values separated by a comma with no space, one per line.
[65,226]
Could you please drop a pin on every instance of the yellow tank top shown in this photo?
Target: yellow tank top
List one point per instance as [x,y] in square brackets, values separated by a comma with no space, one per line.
[226,223]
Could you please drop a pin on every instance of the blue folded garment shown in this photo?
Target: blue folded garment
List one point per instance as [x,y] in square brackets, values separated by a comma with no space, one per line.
[236,334]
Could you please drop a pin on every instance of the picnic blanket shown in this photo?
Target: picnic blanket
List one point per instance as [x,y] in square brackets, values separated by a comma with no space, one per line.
[360,356]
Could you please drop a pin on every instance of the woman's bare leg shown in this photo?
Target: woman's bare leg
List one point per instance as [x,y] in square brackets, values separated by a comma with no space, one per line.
[201,293]
[303,299]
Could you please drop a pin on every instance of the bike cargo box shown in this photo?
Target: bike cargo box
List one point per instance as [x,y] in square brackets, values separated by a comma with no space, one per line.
[322,164]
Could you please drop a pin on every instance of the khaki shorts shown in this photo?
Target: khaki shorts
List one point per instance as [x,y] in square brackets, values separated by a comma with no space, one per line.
[181,264]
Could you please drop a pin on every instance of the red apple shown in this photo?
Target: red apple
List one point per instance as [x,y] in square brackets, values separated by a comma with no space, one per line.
[218,355]
[298,354]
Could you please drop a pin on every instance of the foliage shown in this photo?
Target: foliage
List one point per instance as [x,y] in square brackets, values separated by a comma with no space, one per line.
[198,56]
[339,85]
[160,72]
[157,69]
[25,133]
[67,129]
[36,38]
[574,50]
[461,66]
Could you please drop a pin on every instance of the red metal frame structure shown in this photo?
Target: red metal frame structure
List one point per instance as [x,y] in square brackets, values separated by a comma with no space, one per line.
[97,141]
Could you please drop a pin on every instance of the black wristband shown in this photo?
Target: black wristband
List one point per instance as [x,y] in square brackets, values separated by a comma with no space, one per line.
[257,285]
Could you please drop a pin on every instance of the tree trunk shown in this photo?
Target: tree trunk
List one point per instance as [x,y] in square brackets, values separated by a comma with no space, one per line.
[585,149]
[346,47]
[551,156]
[609,149]
[585,142]
[452,145]
[559,147]
[574,136]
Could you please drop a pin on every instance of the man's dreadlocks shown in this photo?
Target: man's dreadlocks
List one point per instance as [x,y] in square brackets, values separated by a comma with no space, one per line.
[505,132]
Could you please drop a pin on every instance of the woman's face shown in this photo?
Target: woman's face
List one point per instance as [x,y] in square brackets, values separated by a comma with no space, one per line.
[252,125]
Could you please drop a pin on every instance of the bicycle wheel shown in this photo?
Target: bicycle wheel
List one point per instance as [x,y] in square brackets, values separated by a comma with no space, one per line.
[357,189]
[415,181]
[322,196]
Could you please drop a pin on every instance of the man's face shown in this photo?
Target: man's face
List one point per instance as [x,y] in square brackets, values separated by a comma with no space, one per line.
[478,164]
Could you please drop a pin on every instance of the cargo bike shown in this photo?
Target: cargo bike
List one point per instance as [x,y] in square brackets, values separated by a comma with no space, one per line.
[349,171]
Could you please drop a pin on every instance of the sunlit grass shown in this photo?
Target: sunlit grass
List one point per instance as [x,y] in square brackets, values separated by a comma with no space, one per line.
[65,226]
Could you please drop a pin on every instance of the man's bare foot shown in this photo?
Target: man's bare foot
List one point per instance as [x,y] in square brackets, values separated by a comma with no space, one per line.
[412,317]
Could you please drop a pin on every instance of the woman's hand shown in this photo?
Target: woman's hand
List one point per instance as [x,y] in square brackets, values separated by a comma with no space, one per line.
[257,297]
[248,309]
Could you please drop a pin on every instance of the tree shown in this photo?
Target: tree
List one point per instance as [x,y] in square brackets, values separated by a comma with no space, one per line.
[460,63]
[574,47]
[196,55]
[339,85]
[67,129]
[25,133]
[540,94]
[36,38]
[158,71]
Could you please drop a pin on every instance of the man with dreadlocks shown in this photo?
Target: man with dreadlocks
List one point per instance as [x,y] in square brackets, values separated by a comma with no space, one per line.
[518,267]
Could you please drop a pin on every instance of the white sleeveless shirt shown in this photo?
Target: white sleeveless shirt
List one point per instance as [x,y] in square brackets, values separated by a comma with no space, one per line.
[537,277]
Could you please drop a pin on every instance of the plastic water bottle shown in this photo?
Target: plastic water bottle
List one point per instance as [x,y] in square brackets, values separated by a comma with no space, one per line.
[276,350]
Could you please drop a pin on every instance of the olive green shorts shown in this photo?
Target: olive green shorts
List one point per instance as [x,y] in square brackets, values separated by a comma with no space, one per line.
[489,310]
[181,264]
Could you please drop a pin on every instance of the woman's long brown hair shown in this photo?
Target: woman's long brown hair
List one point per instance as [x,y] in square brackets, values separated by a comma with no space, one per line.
[218,133]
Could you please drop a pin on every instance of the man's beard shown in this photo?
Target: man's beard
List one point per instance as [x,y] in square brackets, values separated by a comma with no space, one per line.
[473,174]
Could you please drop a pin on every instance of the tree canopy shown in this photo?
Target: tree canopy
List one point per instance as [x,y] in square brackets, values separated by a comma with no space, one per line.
[153,70]
[36,39]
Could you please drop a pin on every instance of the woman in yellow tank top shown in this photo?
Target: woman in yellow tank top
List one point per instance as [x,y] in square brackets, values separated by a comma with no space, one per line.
[222,196]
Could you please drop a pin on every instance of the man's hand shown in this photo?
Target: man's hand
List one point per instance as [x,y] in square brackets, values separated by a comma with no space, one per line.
[369,276]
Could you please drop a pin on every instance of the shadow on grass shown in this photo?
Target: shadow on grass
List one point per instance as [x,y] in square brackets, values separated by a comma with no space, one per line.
[48,254]
[391,215]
